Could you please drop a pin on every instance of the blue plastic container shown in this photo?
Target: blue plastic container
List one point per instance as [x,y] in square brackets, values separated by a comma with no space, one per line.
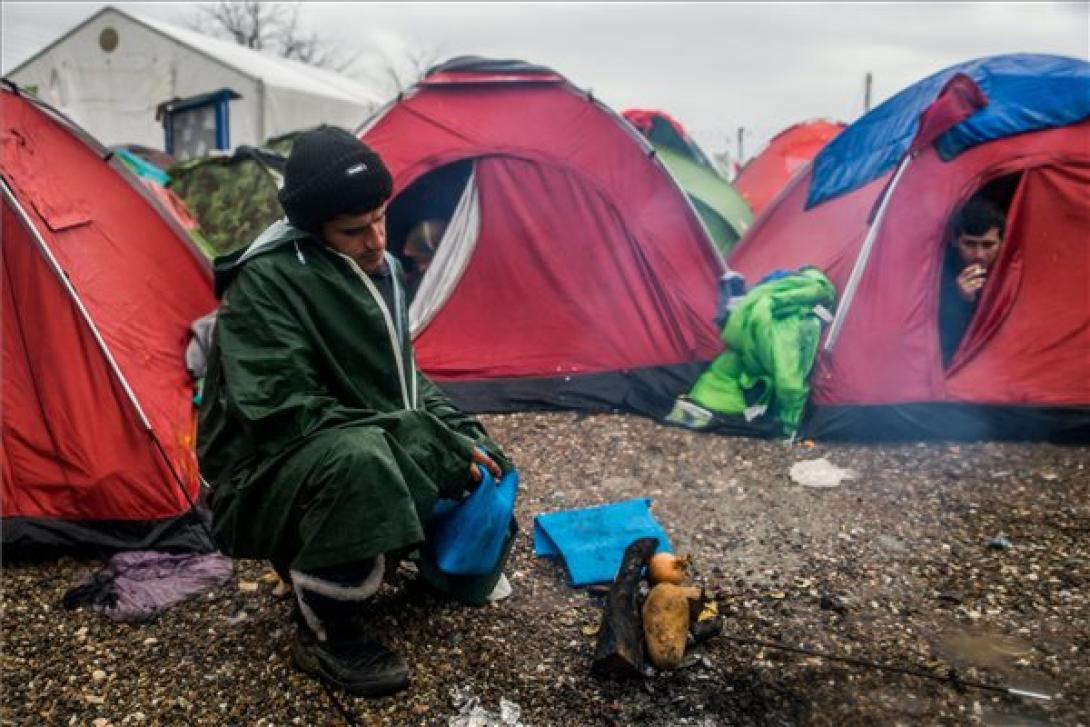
[468,536]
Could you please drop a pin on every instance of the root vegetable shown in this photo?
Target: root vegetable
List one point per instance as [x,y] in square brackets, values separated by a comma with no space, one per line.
[667,568]
[666,623]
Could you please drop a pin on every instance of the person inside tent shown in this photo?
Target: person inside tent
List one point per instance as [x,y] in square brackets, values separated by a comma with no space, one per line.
[419,249]
[976,238]
[326,447]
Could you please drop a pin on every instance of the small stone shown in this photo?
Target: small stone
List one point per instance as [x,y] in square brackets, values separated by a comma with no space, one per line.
[950,597]
[98,675]
[833,603]
[237,618]
[999,543]
[892,544]
[248,586]
[94,699]
[101,722]
[151,641]
[689,660]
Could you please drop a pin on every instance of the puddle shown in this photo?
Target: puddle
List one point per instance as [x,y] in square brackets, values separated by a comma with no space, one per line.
[982,648]
[1000,654]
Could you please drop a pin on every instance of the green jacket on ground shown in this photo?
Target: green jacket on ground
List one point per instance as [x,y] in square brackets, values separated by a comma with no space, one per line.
[771,340]
[324,443]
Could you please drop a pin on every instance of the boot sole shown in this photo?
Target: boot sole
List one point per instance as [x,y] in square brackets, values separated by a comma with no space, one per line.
[305,663]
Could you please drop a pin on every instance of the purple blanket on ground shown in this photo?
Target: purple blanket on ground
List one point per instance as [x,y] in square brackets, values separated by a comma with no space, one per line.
[138,585]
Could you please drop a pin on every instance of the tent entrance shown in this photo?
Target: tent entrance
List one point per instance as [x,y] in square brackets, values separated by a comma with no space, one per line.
[1033,314]
[959,329]
[432,228]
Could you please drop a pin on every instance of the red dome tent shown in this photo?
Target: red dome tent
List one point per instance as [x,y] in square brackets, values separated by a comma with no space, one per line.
[1023,367]
[98,292]
[763,176]
[572,273]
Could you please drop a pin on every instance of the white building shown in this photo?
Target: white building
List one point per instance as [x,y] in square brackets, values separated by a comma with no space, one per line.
[112,72]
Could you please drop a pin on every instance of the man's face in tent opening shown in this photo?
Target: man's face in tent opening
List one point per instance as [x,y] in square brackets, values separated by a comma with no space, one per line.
[361,237]
[980,250]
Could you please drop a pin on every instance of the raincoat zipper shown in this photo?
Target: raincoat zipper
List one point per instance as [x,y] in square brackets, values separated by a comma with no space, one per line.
[395,335]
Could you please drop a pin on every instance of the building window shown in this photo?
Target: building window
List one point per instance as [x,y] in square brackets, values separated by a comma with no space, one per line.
[197,125]
[107,39]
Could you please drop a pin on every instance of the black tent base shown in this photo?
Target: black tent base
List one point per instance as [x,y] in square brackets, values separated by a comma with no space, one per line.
[648,391]
[652,392]
[41,538]
[954,422]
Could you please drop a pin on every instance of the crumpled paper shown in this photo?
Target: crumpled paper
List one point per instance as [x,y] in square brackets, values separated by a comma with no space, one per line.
[472,714]
[820,473]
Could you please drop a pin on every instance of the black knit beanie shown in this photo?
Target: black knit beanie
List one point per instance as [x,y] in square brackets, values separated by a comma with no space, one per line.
[330,172]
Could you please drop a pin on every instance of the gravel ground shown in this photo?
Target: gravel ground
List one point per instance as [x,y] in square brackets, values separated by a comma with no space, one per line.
[893,566]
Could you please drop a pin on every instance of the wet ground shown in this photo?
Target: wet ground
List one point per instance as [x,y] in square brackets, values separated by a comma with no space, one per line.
[973,557]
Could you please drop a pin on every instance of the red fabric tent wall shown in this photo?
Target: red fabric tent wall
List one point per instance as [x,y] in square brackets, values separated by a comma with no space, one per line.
[589,258]
[74,448]
[1030,341]
[765,175]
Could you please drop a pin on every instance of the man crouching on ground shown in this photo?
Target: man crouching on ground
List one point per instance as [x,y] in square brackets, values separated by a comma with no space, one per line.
[326,447]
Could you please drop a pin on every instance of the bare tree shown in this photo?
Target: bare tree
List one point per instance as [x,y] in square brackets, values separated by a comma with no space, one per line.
[398,74]
[269,26]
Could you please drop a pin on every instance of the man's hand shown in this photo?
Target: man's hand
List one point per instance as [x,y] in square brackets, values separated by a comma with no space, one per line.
[480,458]
[970,281]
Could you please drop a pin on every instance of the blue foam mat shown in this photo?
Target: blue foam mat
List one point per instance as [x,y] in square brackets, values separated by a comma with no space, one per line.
[592,541]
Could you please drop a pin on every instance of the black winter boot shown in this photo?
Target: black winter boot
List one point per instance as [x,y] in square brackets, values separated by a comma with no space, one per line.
[331,639]
[358,665]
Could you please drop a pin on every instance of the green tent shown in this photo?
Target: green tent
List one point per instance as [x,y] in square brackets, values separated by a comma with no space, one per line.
[233,197]
[724,212]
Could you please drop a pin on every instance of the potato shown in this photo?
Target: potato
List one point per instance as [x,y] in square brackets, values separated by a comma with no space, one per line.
[667,568]
[666,623]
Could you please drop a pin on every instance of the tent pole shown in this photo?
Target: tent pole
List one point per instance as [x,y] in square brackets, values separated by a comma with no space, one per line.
[860,265]
[59,272]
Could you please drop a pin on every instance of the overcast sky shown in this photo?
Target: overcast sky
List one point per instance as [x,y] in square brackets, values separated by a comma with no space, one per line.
[713,66]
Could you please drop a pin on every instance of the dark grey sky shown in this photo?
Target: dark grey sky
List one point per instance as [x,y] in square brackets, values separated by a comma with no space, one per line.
[713,66]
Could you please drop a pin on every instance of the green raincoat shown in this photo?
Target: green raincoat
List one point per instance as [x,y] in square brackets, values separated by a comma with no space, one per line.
[771,340]
[324,443]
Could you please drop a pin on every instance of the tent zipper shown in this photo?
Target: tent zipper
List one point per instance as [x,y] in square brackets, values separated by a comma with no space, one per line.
[391,329]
